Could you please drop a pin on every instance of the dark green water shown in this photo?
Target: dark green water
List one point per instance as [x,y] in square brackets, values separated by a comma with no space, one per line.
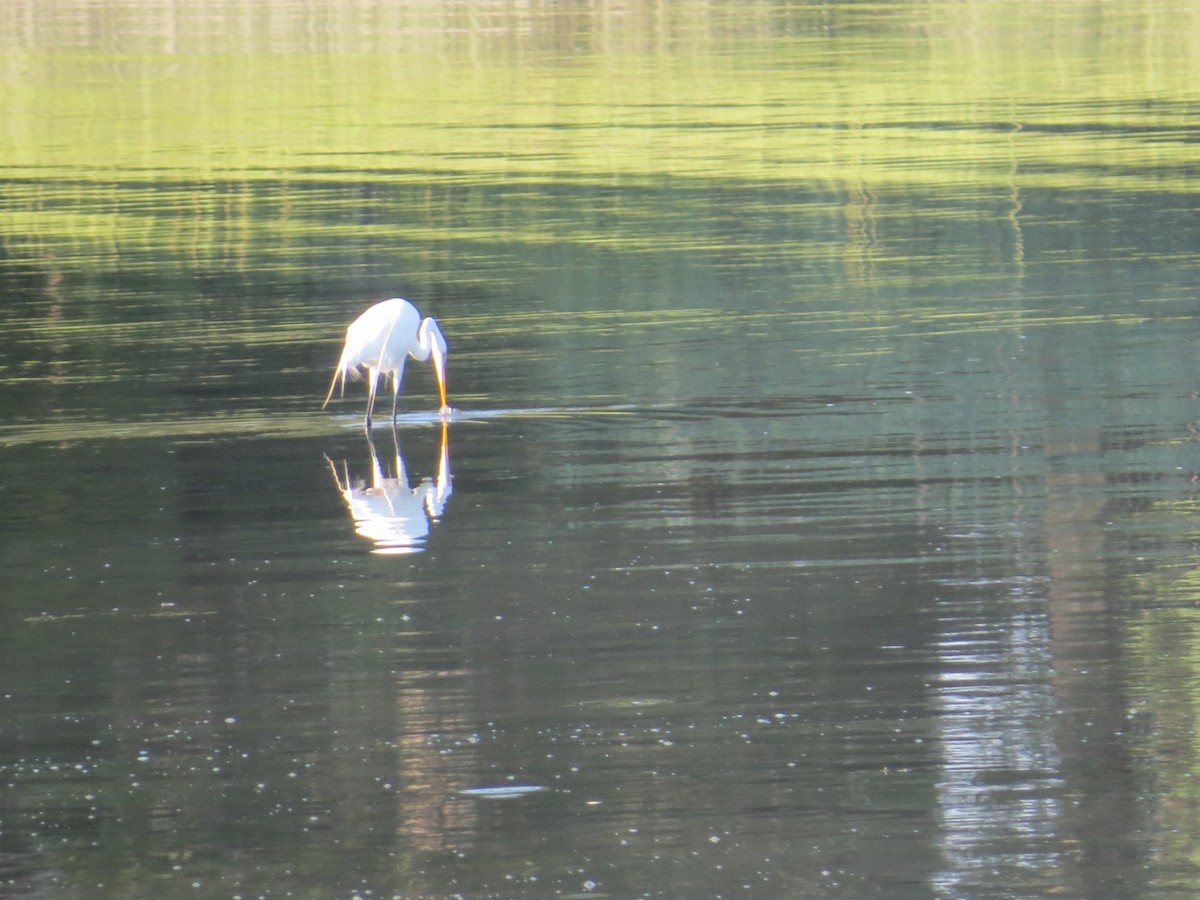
[819,515]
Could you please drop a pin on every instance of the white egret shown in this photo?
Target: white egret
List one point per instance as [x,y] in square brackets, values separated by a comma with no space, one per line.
[380,341]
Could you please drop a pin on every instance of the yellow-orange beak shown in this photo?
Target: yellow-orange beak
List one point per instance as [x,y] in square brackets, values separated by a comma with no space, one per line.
[439,369]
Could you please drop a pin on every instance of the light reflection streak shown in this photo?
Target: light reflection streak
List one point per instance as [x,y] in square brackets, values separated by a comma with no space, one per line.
[999,765]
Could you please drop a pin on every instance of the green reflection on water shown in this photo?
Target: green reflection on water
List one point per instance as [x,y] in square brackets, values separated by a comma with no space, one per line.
[157,144]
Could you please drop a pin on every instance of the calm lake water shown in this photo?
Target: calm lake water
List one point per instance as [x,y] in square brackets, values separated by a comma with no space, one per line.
[821,512]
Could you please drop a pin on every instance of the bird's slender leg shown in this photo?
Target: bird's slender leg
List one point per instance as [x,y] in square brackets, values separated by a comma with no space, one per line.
[395,397]
[372,387]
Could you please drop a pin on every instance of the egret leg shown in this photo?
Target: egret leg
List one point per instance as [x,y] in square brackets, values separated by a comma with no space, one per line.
[372,387]
[395,397]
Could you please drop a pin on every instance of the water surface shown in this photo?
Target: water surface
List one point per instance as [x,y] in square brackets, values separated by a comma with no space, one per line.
[818,515]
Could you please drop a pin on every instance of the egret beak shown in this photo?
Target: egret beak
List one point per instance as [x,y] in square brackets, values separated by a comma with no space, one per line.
[439,369]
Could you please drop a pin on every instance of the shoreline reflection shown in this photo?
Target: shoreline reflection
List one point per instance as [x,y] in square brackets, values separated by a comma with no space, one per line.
[387,511]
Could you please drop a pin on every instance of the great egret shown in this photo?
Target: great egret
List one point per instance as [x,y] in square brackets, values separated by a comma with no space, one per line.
[380,341]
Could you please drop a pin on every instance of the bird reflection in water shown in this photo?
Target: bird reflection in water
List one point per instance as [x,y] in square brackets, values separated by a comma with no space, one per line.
[387,511]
